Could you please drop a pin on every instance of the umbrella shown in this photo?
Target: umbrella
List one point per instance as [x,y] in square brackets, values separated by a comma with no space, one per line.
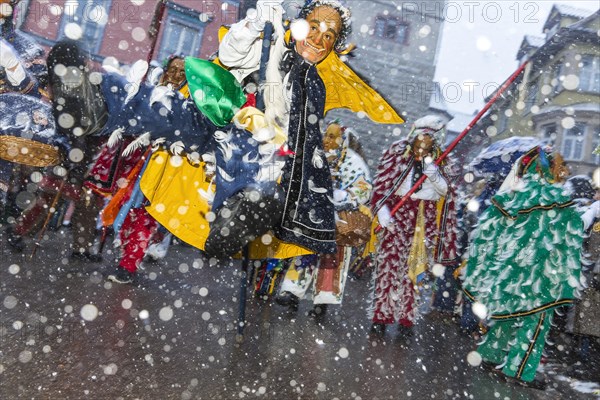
[581,187]
[499,157]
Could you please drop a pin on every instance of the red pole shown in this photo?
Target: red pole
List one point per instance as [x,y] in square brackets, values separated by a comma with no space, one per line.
[455,142]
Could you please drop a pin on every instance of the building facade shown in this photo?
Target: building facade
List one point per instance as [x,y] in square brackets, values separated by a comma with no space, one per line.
[123,28]
[557,98]
[397,46]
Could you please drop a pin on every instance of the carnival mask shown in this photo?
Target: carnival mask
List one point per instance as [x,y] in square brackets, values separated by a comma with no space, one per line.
[325,24]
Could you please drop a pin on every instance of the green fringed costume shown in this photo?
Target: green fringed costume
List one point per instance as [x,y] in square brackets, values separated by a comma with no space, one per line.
[524,261]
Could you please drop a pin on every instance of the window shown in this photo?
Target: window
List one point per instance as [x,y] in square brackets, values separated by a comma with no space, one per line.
[91,16]
[572,146]
[548,133]
[595,144]
[21,13]
[531,96]
[182,34]
[391,28]
[557,76]
[502,122]
[589,74]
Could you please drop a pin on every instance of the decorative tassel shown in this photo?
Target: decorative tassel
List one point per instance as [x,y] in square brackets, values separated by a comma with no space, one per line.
[115,137]
[158,143]
[177,148]
[162,94]
[142,141]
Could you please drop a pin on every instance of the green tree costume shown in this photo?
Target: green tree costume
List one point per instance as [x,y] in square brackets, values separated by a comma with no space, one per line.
[524,261]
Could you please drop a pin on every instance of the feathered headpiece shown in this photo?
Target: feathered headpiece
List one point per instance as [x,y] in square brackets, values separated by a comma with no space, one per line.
[431,125]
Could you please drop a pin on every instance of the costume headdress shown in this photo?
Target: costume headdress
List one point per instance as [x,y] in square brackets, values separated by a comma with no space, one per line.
[336,156]
[431,125]
[539,160]
[343,87]
[170,59]
[345,135]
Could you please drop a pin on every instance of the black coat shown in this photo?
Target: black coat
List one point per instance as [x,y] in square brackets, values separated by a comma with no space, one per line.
[308,217]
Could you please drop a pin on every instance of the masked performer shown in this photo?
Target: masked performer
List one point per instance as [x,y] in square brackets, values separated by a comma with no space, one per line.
[77,122]
[352,190]
[23,76]
[421,233]
[524,261]
[306,78]
[135,227]
[28,133]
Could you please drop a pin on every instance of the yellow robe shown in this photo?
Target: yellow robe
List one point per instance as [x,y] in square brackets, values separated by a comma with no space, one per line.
[174,188]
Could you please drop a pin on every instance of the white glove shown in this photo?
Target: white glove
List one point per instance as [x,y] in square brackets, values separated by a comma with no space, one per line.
[595,209]
[385,216]
[340,195]
[436,178]
[10,62]
[591,214]
[266,11]
[430,170]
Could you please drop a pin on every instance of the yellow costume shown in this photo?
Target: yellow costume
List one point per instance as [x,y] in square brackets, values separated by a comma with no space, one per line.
[173,190]
[177,192]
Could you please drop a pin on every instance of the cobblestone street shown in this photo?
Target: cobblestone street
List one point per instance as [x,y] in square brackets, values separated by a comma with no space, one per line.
[67,333]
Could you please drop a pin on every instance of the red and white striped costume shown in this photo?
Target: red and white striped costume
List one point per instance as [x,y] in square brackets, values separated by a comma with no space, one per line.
[394,291]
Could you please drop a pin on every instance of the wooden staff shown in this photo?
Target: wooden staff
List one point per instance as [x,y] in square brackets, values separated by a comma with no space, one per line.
[260,104]
[154,30]
[51,212]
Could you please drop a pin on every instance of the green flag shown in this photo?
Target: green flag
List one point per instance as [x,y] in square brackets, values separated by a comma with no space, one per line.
[215,90]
